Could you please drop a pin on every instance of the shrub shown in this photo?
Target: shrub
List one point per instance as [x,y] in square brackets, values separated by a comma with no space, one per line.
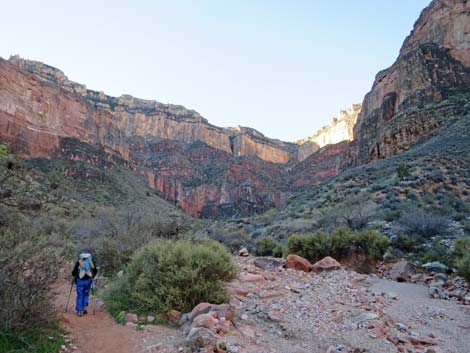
[404,243]
[266,246]
[403,171]
[461,257]
[28,269]
[341,243]
[168,274]
[423,224]
[312,246]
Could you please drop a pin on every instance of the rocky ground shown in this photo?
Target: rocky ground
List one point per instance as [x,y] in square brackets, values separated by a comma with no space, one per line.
[274,309]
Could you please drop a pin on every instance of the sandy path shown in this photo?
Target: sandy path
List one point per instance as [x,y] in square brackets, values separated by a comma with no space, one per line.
[447,320]
[95,333]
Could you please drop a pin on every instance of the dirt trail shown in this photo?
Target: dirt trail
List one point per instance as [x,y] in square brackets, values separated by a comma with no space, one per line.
[95,333]
[445,319]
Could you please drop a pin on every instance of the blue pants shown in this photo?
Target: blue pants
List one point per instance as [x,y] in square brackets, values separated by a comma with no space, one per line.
[83,291]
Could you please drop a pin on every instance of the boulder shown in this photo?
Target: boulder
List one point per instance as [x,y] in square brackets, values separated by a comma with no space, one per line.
[243,251]
[326,264]
[268,263]
[402,271]
[206,320]
[173,316]
[200,337]
[298,263]
[435,266]
[221,312]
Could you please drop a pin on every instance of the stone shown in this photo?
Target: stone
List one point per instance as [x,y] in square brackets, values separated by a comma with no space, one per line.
[326,264]
[174,316]
[150,318]
[268,263]
[435,266]
[206,320]
[132,318]
[243,252]
[402,271]
[298,263]
[200,337]
[251,277]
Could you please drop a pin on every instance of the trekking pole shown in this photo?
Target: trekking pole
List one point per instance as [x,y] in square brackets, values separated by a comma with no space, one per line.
[93,294]
[70,293]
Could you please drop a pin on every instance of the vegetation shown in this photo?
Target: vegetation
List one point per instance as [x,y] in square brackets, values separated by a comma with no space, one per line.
[169,274]
[266,246]
[342,242]
[49,211]
[461,257]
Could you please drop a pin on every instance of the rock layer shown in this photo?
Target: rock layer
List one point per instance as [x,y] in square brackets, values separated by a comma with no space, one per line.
[433,66]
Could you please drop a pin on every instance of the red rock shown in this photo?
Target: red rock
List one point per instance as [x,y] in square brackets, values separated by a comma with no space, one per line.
[174,316]
[206,320]
[326,264]
[298,263]
[422,340]
[132,318]
[250,277]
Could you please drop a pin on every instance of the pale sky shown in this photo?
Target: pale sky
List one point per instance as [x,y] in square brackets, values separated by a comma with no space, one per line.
[282,67]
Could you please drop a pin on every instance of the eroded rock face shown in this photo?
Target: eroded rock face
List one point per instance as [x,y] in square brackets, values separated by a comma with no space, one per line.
[206,170]
[338,130]
[403,105]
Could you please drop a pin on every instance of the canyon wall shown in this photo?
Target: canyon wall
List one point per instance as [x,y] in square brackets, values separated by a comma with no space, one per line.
[403,105]
[339,129]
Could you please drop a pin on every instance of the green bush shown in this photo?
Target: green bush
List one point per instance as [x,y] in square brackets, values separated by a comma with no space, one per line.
[461,257]
[404,243]
[169,274]
[342,242]
[266,246]
[312,246]
[403,171]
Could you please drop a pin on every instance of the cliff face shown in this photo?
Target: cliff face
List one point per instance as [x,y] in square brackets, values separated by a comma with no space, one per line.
[151,119]
[210,171]
[432,67]
[340,129]
[206,170]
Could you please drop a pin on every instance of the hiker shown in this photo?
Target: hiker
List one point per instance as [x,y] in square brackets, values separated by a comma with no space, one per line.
[83,273]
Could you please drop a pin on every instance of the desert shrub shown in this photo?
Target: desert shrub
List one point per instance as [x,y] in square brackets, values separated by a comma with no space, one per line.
[461,257]
[28,270]
[266,246]
[232,240]
[357,213]
[341,243]
[370,242]
[404,243]
[312,246]
[403,171]
[30,342]
[423,224]
[390,216]
[111,256]
[168,274]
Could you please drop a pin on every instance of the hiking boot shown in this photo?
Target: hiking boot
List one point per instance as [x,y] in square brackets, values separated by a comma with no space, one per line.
[80,313]
[85,312]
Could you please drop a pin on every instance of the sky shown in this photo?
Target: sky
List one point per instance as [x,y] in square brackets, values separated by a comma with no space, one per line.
[283,67]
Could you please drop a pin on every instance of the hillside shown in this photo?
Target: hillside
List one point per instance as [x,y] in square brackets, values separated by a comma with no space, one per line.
[436,181]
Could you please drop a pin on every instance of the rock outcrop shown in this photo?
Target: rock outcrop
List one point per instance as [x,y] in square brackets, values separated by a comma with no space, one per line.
[338,130]
[206,170]
[403,106]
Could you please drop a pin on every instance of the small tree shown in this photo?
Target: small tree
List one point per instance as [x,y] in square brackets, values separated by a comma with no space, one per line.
[403,171]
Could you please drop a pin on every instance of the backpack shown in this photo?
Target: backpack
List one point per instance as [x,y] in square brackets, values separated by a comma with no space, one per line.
[85,265]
